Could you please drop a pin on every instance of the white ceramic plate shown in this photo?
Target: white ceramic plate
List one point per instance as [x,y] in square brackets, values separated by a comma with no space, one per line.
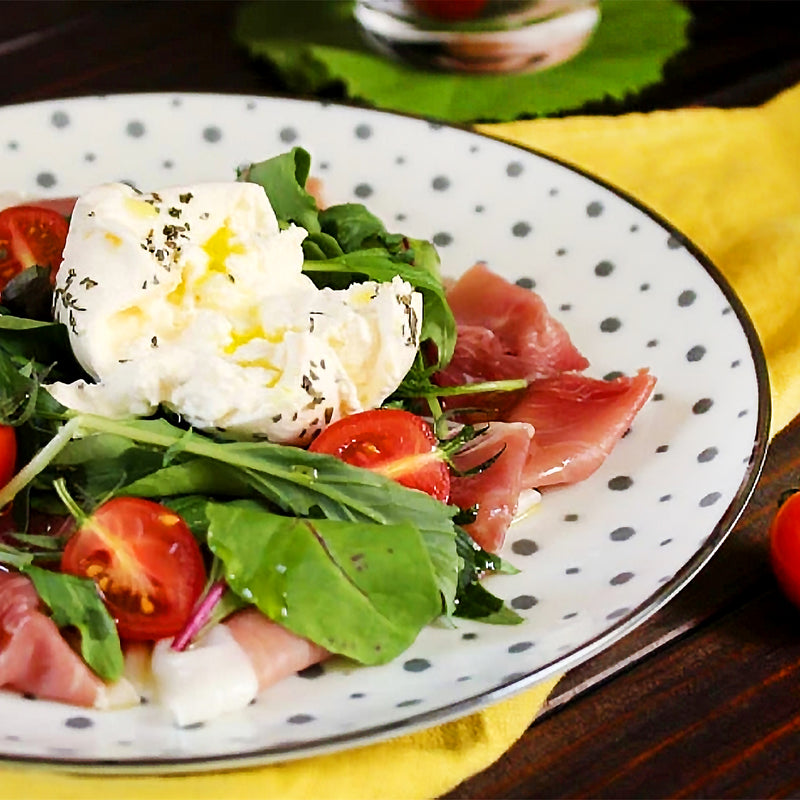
[597,558]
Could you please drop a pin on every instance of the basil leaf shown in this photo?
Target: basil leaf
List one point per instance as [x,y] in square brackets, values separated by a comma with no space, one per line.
[361,590]
[75,602]
[283,178]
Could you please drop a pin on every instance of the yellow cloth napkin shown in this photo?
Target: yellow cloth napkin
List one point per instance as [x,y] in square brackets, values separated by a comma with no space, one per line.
[727,179]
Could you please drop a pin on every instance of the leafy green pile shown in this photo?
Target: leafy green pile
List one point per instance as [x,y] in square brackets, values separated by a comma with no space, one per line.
[337,554]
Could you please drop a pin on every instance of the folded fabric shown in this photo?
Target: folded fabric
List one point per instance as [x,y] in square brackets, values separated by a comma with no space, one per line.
[419,765]
[726,179]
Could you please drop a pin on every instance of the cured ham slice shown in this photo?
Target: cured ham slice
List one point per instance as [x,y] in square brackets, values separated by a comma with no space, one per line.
[34,657]
[274,652]
[578,420]
[504,331]
[495,490]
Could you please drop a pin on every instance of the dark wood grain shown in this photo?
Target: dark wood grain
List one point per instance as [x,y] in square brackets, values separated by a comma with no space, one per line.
[697,702]
[700,701]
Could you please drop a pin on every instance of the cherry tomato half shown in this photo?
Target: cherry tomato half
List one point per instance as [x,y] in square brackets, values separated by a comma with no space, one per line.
[145,562]
[8,453]
[393,442]
[30,236]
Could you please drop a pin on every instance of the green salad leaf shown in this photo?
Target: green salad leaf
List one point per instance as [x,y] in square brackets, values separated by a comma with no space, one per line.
[74,602]
[292,480]
[343,585]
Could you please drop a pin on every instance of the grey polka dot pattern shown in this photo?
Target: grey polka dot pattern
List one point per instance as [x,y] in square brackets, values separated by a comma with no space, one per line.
[594,209]
[212,134]
[603,269]
[630,291]
[620,483]
[78,722]
[60,119]
[523,602]
[622,534]
[46,180]
[695,353]
[707,455]
[703,405]
[520,229]
[524,547]
[622,577]
[135,129]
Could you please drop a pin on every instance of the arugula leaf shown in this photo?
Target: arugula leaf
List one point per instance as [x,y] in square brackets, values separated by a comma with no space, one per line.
[44,343]
[352,226]
[360,590]
[13,557]
[18,392]
[283,178]
[29,294]
[473,599]
[75,602]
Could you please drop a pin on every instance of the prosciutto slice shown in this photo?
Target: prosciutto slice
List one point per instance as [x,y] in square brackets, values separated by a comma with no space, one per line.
[504,331]
[274,651]
[34,657]
[578,420]
[496,490]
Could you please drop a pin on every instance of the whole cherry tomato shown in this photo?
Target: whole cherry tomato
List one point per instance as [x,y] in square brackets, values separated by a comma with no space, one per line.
[784,546]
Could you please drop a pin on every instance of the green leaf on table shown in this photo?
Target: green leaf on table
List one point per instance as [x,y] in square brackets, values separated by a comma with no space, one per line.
[361,590]
[315,46]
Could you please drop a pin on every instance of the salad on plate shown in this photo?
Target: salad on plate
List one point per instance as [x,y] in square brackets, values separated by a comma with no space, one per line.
[242,431]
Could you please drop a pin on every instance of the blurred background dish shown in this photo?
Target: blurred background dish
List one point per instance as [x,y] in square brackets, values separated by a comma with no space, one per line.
[479,35]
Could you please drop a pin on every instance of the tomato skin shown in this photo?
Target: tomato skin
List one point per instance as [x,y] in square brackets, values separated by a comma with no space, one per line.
[146,563]
[784,546]
[391,441]
[8,453]
[450,10]
[30,235]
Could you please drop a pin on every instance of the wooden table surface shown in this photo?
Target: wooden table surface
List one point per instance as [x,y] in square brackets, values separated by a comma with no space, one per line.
[702,700]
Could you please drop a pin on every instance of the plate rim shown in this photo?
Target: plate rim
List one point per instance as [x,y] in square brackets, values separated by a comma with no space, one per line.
[510,687]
